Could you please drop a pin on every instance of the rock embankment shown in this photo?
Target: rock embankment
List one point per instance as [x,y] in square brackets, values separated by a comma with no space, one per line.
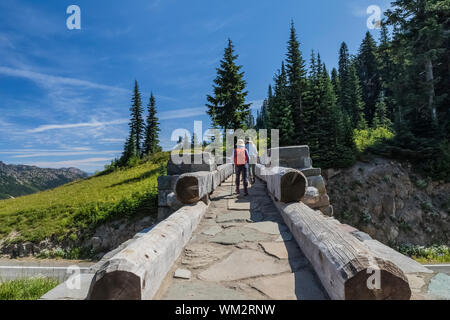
[385,199]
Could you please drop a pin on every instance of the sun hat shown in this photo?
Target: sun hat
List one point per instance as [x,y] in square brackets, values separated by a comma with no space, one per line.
[240,143]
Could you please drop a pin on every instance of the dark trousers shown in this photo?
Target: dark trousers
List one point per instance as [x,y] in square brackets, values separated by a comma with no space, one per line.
[252,172]
[241,170]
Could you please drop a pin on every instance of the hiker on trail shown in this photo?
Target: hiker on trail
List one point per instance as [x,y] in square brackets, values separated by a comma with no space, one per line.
[253,155]
[240,161]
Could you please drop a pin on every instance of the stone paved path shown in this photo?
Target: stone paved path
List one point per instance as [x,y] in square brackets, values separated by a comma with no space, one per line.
[242,250]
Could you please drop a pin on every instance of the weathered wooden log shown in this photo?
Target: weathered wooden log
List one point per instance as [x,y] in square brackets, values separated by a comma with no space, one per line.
[285,184]
[192,187]
[137,271]
[225,171]
[347,269]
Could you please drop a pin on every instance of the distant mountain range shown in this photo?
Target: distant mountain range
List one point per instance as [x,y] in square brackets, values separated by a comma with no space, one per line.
[20,180]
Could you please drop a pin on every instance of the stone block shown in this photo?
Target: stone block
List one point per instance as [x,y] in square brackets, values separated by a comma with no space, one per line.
[167,182]
[292,157]
[310,172]
[162,198]
[318,182]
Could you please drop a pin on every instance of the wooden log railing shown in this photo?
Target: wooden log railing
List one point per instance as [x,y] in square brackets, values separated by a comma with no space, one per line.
[137,271]
[347,268]
[192,187]
[285,184]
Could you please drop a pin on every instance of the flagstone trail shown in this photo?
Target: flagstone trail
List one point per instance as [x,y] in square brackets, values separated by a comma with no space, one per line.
[242,250]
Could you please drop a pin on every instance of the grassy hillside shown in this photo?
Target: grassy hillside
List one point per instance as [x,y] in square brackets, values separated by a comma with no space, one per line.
[20,180]
[26,289]
[82,205]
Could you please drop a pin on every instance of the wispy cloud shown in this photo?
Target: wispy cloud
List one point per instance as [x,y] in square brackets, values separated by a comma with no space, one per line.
[83,164]
[182,113]
[65,154]
[47,79]
[77,125]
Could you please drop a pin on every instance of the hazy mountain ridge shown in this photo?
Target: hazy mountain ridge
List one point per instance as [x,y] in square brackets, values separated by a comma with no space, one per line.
[19,180]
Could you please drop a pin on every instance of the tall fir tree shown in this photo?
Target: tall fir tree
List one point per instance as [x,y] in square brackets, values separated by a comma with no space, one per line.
[368,65]
[136,120]
[387,70]
[336,84]
[350,97]
[353,96]
[280,115]
[227,107]
[296,73]
[380,118]
[151,142]
[421,34]
[344,66]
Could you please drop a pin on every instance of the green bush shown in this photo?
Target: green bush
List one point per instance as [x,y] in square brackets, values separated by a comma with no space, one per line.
[370,137]
[26,289]
[422,254]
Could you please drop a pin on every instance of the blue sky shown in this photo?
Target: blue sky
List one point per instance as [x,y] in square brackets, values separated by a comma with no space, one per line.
[65,94]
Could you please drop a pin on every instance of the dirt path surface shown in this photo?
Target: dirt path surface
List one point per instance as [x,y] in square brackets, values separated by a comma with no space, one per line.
[242,250]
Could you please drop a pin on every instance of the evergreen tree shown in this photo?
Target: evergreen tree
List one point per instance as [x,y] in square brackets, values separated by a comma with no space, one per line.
[380,118]
[151,142]
[129,151]
[387,70]
[367,64]
[336,84]
[296,73]
[353,97]
[344,66]
[136,121]
[350,97]
[227,107]
[250,121]
[422,32]
[311,111]
[280,115]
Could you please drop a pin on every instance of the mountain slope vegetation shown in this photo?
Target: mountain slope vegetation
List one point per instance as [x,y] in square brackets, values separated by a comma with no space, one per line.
[20,180]
[74,210]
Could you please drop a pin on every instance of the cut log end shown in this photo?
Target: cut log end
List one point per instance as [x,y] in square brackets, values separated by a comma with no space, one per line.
[293,186]
[117,285]
[187,190]
[389,284]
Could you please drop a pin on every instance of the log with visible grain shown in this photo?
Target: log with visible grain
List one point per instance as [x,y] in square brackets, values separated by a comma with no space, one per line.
[138,269]
[285,184]
[192,187]
[344,265]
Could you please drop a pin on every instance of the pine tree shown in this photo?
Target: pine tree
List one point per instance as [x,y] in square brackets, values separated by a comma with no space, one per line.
[336,84]
[344,66]
[421,34]
[387,70]
[227,107]
[250,121]
[350,97]
[280,115]
[367,64]
[354,99]
[380,118]
[151,142]
[136,121]
[296,72]
[129,151]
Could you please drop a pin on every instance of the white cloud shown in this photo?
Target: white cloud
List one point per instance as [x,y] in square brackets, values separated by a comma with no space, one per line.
[46,79]
[77,125]
[64,154]
[83,164]
[182,113]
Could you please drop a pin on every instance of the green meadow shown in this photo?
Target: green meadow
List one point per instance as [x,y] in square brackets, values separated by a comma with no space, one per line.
[78,207]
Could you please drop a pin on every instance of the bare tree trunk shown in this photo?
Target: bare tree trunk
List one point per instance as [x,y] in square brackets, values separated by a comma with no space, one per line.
[431,93]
